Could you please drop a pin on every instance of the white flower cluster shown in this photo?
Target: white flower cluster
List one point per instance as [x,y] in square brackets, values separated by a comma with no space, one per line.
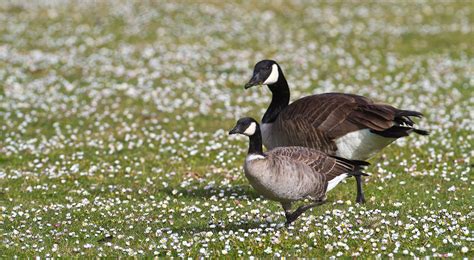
[114,119]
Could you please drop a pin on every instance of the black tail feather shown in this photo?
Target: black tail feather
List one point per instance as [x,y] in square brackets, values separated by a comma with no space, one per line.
[399,131]
[421,131]
[402,117]
[357,164]
[394,132]
[357,173]
[407,113]
[351,162]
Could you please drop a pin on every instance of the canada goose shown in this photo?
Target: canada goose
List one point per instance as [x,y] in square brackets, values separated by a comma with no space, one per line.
[288,174]
[345,125]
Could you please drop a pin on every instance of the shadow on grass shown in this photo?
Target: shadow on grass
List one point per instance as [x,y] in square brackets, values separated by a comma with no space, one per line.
[234,227]
[236,192]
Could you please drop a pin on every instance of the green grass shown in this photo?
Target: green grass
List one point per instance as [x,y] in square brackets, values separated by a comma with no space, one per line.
[114,119]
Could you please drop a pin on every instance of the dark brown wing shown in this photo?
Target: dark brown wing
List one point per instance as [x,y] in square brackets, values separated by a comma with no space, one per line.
[336,114]
[319,161]
[300,132]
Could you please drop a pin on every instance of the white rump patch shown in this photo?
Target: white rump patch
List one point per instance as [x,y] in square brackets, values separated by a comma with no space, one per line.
[251,129]
[273,76]
[252,157]
[361,144]
[334,182]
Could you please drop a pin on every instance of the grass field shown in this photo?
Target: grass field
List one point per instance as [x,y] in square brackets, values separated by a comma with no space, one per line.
[114,119]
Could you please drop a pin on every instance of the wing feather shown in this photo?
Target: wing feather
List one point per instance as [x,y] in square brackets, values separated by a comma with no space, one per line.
[321,163]
[314,121]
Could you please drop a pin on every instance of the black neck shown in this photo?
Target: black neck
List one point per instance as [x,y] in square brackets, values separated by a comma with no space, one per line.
[280,98]
[255,142]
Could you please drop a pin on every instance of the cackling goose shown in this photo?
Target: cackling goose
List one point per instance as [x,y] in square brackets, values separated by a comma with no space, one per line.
[289,174]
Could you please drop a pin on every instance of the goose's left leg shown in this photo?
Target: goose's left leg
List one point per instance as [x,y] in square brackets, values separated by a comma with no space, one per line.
[287,208]
[290,217]
[360,193]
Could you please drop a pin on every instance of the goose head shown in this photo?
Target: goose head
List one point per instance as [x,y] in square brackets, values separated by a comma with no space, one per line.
[245,126]
[265,72]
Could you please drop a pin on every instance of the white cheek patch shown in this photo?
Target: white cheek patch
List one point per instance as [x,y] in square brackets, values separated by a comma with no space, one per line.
[251,129]
[273,76]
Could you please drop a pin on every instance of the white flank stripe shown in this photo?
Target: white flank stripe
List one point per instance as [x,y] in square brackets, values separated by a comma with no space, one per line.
[361,144]
[332,183]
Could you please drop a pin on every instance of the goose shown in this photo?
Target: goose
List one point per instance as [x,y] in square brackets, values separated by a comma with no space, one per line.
[345,125]
[289,174]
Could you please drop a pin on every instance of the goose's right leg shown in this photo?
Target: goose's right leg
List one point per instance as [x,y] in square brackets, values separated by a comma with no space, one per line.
[360,193]
[287,208]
